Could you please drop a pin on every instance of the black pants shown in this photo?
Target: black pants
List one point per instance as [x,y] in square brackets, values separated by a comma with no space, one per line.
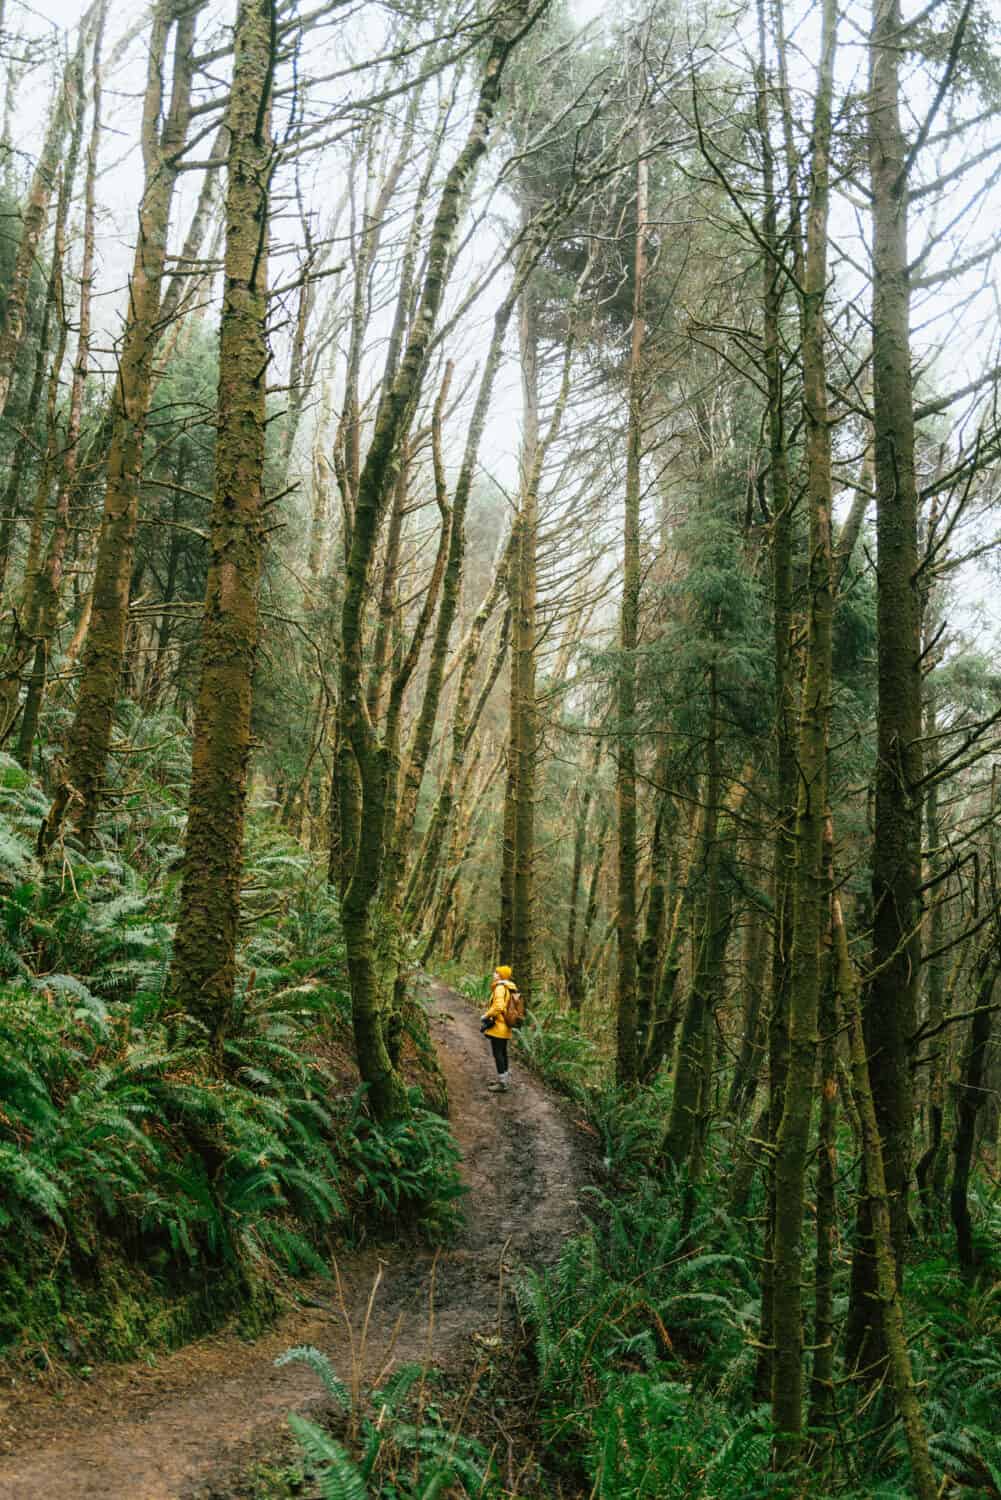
[498,1046]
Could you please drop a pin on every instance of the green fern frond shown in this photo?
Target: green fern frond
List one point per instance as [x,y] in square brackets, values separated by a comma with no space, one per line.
[320,1365]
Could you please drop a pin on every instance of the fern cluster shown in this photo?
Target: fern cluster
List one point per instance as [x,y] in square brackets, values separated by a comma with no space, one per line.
[408,1170]
[558,1050]
[116,1135]
[644,1352]
[645,1339]
[400,1448]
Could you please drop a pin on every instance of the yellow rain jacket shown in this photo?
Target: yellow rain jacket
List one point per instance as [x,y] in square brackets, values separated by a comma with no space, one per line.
[497,1008]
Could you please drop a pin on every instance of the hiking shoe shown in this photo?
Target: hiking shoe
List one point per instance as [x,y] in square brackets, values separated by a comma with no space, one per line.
[499,1087]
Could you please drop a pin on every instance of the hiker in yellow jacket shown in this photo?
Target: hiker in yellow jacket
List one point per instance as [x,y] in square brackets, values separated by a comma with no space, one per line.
[494,1025]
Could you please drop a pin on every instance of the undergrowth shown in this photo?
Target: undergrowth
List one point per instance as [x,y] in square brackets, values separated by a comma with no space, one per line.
[645,1331]
[123,1157]
[396,1444]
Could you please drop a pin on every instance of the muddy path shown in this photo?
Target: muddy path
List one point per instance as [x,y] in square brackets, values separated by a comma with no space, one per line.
[173,1430]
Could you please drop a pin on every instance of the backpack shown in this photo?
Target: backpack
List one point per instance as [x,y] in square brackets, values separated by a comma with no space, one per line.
[514,1010]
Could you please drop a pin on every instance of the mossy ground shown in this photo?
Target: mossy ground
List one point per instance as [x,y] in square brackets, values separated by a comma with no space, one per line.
[60,1315]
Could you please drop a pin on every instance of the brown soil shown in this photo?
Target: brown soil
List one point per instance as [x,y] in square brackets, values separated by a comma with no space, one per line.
[174,1429]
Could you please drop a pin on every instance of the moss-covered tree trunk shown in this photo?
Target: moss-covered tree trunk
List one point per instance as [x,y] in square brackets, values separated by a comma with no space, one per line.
[33,219]
[650,948]
[753,967]
[577,992]
[891,996]
[42,600]
[163,137]
[970,1096]
[523,647]
[21,646]
[822,1390]
[684,1122]
[887,1289]
[572,961]
[928,1169]
[666,1011]
[11,498]
[204,967]
[774,292]
[627,1050]
[809,904]
[509,814]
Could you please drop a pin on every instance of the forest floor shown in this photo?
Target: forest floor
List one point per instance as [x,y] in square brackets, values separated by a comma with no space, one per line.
[176,1427]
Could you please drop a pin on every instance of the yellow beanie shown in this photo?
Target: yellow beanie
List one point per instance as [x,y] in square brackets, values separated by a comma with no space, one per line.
[504,971]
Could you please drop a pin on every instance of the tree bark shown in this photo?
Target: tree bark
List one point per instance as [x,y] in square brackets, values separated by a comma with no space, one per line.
[684,1123]
[822,1372]
[970,1095]
[523,649]
[792,1141]
[33,219]
[90,737]
[773,299]
[746,1072]
[204,967]
[891,999]
[664,1021]
[650,949]
[627,1041]
[44,586]
[928,1169]
[887,1288]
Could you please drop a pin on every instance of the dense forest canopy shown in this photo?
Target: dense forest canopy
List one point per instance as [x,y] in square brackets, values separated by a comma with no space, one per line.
[518,483]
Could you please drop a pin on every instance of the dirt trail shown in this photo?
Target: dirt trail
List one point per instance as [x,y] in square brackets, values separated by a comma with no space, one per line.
[171,1431]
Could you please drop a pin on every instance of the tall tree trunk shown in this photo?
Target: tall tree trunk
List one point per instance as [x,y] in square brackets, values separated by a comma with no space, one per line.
[650,949]
[684,1123]
[572,964]
[822,1373]
[43,583]
[783,862]
[523,648]
[590,913]
[204,967]
[509,815]
[667,1010]
[891,998]
[22,454]
[746,1072]
[927,1170]
[33,219]
[887,1286]
[627,1041]
[970,1095]
[24,643]
[90,737]
[792,1142]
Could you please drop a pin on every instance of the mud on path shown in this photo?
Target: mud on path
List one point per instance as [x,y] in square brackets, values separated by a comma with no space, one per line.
[174,1430]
